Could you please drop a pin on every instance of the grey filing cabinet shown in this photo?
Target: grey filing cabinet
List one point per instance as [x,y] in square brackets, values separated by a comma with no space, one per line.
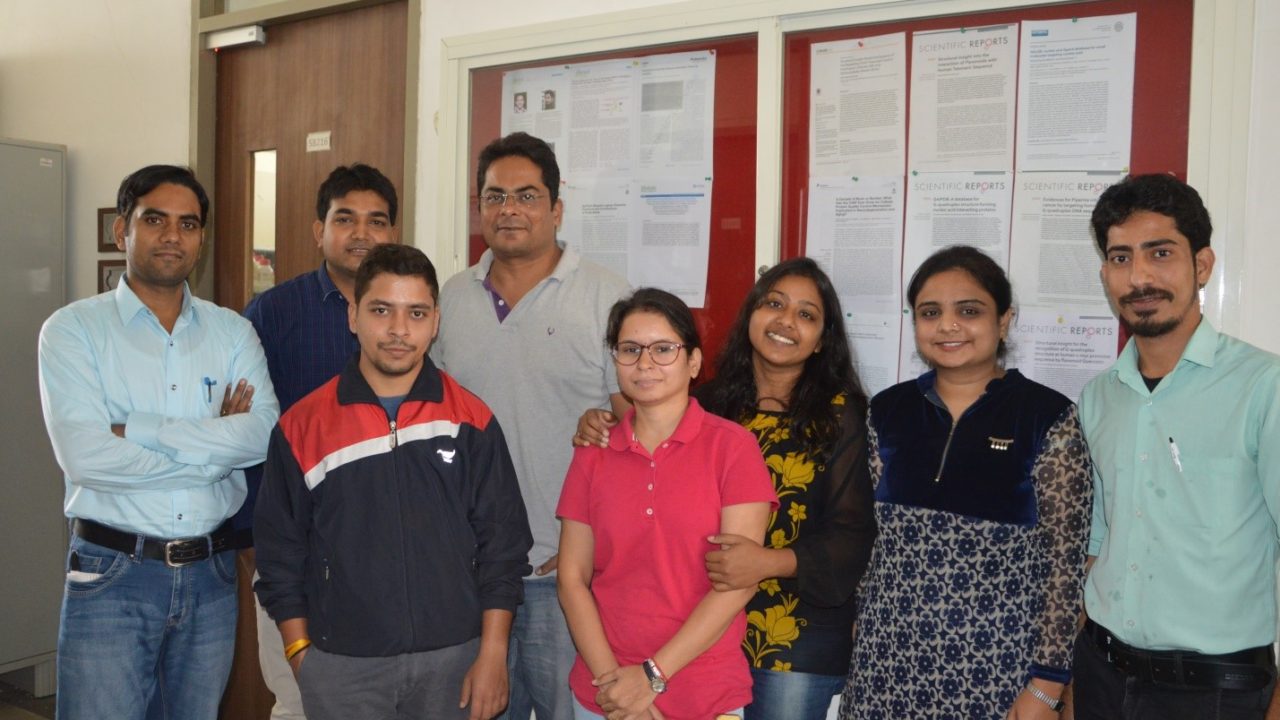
[33,532]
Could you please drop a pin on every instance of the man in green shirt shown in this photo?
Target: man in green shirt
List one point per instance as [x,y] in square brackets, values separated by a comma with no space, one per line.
[1184,431]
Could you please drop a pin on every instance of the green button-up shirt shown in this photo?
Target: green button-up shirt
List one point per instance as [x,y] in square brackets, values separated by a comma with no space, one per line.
[1186,498]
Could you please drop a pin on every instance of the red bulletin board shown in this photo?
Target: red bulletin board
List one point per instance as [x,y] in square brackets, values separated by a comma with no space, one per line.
[733,209]
[1161,89]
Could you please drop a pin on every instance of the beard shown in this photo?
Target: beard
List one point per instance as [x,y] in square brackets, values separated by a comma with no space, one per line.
[1147,325]
[1150,327]
[401,366]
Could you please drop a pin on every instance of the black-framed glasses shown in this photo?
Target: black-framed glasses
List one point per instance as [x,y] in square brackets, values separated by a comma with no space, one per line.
[661,353]
[496,199]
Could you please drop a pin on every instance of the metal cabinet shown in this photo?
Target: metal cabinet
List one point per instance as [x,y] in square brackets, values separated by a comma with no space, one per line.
[33,532]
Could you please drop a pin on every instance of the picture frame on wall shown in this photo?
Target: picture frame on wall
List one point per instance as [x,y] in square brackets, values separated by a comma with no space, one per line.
[106,238]
[109,274]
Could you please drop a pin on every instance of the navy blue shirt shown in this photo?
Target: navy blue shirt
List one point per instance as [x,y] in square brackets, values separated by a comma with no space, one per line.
[302,324]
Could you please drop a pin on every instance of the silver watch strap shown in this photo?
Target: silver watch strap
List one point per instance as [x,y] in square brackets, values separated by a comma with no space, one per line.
[1044,697]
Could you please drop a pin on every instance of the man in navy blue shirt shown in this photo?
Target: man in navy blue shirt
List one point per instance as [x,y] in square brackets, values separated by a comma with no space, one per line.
[304,331]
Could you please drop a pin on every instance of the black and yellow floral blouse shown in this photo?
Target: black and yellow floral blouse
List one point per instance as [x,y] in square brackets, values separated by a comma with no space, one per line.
[826,516]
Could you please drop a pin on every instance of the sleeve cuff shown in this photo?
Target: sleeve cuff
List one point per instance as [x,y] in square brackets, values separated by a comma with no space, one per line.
[1044,672]
[144,428]
[1095,545]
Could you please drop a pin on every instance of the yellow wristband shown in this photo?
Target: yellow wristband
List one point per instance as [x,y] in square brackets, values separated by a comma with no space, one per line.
[296,647]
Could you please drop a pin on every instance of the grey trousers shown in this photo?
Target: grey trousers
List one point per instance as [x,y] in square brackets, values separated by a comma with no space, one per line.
[415,686]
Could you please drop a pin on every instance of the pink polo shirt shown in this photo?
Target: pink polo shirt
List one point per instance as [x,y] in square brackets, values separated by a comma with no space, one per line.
[650,516]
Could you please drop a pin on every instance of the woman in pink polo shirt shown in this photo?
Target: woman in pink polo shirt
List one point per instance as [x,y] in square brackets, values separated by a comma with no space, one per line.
[638,517]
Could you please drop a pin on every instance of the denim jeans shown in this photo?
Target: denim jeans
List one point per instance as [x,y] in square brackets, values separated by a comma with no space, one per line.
[1101,692]
[135,632]
[541,655]
[791,695]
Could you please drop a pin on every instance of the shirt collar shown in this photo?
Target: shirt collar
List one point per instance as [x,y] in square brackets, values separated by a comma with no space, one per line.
[569,260]
[684,433]
[128,305]
[1200,350]
[326,283]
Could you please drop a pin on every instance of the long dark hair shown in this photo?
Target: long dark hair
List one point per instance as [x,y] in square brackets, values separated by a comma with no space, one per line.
[814,420]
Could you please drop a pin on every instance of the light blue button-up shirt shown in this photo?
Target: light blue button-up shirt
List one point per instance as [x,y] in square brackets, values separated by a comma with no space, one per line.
[1186,499]
[107,360]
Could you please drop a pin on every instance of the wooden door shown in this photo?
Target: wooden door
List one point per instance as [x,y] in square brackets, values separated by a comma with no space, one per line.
[343,73]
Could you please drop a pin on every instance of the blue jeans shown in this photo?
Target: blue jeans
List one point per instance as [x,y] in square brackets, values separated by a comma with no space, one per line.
[136,632]
[540,656]
[791,695]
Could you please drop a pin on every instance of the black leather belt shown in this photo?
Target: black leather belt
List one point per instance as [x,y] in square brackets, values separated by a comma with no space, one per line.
[175,553]
[1246,670]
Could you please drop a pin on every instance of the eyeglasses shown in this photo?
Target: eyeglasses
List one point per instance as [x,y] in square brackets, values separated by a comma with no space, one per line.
[499,199]
[661,353]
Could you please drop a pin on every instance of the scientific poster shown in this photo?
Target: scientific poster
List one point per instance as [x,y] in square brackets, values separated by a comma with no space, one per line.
[855,234]
[1053,260]
[857,107]
[1075,100]
[1063,350]
[963,85]
[633,138]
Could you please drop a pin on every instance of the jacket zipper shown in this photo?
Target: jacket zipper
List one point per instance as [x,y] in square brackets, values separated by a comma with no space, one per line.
[395,472]
[946,449]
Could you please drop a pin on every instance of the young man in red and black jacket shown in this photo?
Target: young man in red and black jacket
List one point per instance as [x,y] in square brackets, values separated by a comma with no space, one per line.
[391,536]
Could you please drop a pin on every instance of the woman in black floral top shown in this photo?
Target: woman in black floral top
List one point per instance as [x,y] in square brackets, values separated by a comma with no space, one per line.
[787,375]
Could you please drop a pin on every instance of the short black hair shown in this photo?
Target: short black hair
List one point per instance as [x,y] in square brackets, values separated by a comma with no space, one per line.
[346,179]
[397,259]
[522,144]
[143,181]
[658,302]
[978,265]
[1157,193]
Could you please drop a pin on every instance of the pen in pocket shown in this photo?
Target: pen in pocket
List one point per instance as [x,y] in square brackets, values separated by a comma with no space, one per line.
[1177,456]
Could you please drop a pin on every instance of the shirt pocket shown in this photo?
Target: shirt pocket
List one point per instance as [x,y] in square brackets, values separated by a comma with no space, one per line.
[1215,493]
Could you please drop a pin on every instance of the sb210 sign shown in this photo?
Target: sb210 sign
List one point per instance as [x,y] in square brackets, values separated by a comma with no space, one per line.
[318,141]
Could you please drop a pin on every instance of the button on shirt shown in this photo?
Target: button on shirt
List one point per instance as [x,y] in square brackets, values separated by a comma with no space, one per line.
[106,360]
[1187,493]
[650,515]
[303,326]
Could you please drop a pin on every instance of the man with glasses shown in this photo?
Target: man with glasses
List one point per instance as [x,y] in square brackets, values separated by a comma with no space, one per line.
[524,329]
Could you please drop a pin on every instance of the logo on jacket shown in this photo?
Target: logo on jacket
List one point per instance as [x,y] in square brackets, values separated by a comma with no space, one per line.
[447,455]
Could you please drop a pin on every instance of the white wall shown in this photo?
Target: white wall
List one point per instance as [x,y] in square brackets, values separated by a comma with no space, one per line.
[1259,323]
[107,79]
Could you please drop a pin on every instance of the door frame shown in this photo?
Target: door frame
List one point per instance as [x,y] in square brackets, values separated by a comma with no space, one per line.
[209,16]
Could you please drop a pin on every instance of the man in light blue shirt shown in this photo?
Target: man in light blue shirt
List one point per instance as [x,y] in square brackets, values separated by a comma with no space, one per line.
[154,400]
[1184,431]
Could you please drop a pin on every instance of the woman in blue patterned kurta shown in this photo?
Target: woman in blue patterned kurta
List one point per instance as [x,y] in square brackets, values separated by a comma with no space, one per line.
[983,496]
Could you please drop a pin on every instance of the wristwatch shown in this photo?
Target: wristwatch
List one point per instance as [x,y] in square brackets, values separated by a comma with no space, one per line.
[1055,705]
[657,681]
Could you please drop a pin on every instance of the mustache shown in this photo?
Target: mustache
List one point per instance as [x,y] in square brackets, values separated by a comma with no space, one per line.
[1146,294]
[396,346]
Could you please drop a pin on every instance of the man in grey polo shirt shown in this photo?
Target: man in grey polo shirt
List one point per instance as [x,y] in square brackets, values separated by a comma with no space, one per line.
[524,329]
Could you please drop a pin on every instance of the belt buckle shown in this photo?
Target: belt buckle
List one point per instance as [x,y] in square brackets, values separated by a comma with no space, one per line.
[185,551]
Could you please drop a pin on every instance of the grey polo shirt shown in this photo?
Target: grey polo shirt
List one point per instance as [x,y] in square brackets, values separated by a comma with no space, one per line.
[538,370]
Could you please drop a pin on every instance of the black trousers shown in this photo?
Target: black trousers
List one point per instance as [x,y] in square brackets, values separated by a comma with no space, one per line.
[1101,692]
